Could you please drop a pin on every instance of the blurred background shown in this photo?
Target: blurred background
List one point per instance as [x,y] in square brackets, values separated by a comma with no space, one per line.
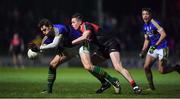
[121,18]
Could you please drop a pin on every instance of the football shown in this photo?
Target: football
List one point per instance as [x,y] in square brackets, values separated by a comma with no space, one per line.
[31,54]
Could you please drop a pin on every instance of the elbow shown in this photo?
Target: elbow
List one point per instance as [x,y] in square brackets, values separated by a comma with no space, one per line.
[85,38]
[165,35]
[55,46]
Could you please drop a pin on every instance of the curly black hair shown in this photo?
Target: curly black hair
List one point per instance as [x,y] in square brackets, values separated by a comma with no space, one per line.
[148,10]
[45,22]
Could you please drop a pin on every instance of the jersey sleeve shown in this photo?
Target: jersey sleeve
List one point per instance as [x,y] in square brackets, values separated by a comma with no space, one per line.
[88,27]
[48,41]
[157,25]
[59,29]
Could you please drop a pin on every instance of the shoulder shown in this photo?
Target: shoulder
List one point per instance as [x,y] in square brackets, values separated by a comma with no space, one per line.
[155,23]
[59,26]
[91,26]
[86,25]
[59,29]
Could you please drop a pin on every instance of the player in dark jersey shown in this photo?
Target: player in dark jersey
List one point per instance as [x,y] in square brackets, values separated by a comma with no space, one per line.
[17,48]
[107,46]
[155,37]
[59,37]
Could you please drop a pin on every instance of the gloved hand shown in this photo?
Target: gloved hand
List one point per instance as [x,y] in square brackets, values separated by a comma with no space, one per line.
[33,47]
[152,48]
[142,54]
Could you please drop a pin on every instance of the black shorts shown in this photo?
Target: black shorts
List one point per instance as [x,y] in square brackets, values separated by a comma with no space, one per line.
[111,45]
[16,50]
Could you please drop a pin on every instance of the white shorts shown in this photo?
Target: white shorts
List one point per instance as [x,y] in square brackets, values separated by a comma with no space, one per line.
[160,53]
[85,48]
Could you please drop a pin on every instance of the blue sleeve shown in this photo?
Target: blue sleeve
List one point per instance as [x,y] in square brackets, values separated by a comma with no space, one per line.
[60,29]
[48,40]
[75,34]
[156,24]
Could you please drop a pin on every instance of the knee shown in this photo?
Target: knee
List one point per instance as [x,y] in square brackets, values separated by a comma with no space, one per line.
[118,68]
[53,64]
[146,68]
[161,70]
[87,67]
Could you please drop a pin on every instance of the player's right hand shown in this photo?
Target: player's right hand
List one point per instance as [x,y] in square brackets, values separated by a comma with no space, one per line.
[33,47]
[152,48]
[142,54]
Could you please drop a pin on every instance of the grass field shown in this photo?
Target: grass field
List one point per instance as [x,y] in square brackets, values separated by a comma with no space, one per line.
[78,83]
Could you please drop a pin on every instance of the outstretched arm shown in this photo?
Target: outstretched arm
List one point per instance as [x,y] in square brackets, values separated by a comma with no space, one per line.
[85,36]
[54,44]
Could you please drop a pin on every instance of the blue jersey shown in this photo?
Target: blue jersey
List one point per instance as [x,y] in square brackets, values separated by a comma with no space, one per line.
[151,30]
[69,34]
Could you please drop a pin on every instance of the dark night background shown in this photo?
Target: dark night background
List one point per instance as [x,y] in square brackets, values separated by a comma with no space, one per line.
[121,18]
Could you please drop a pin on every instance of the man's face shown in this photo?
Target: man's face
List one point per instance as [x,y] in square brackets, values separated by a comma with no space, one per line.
[75,23]
[46,29]
[146,16]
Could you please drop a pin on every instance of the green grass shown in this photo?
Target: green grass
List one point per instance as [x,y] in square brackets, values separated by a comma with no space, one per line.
[78,83]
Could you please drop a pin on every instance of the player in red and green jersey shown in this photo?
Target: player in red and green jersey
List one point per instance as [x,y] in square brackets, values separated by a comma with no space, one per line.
[107,47]
[58,38]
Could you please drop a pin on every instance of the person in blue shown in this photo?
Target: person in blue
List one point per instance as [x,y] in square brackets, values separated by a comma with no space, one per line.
[156,44]
[59,37]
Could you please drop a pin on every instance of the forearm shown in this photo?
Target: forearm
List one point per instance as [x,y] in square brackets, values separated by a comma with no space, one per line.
[10,48]
[54,44]
[22,47]
[48,46]
[79,40]
[162,37]
[83,38]
[145,46]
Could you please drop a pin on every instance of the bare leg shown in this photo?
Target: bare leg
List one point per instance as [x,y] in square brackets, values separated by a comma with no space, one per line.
[163,69]
[147,68]
[115,58]
[99,73]
[58,59]
[14,60]
[21,63]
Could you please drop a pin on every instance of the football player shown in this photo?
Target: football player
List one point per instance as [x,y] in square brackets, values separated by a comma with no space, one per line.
[59,37]
[155,37]
[107,47]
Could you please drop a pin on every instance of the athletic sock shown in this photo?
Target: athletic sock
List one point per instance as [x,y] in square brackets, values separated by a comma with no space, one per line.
[133,83]
[100,78]
[150,81]
[102,73]
[51,78]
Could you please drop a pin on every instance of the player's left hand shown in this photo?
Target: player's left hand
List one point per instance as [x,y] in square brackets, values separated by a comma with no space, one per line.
[152,48]
[33,47]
